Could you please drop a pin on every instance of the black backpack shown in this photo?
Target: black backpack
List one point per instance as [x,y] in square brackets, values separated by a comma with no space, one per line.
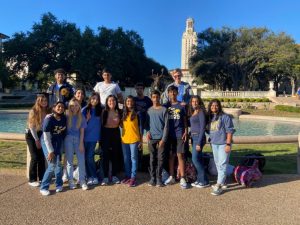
[249,159]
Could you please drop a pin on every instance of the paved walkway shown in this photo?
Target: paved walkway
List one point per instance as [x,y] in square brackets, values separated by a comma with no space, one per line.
[275,200]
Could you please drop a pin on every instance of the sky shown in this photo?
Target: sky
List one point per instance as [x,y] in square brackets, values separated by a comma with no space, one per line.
[159,22]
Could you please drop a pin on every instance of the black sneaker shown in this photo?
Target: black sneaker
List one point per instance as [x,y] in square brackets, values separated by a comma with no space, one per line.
[151,182]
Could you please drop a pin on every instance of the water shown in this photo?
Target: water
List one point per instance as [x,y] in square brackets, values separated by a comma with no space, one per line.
[16,123]
[265,128]
[13,122]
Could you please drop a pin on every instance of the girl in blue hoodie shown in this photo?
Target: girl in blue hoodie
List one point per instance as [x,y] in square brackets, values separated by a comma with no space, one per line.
[221,130]
[92,113]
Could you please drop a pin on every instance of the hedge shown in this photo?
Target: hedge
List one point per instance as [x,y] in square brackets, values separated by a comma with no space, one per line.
[239,99]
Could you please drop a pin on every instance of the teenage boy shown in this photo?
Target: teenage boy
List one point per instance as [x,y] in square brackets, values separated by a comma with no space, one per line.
[108,87]
[60,90]
[142,102]
[157,124]
[177,135]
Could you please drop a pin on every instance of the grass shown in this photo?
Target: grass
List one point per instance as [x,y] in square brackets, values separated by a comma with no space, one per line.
[280,158]
[271,112]
[12,154]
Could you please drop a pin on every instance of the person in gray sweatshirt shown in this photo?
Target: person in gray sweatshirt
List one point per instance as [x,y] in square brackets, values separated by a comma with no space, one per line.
[220,128]
[157,125]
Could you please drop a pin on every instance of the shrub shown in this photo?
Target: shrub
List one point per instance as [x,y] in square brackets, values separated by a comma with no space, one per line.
[252,100]
[233,99]
[266,100]
[247,100]
[226,100]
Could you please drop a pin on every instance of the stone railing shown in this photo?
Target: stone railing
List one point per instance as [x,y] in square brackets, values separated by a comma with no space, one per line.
[131,91]
[237,94]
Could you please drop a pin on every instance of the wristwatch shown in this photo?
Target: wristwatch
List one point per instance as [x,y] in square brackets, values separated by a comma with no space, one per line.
[228,144]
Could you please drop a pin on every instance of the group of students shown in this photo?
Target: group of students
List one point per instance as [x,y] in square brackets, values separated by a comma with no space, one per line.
[78,128]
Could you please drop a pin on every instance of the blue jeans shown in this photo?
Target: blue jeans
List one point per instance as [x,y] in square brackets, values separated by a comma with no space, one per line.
[89,148]
[197,158]
[54,168]
[221,159]
[71,146]
[130,155]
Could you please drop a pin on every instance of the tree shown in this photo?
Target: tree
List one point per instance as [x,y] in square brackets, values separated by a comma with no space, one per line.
[52,44]
[245,59]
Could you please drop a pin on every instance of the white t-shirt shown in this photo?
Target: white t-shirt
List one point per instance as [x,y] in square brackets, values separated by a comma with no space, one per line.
[105,90]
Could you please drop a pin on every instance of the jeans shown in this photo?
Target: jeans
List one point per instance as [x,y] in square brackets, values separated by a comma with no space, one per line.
[89,148]
[71,146]
[157,156]
[130,155]
[197,158]
[221,159]
[54,167]
[37,162]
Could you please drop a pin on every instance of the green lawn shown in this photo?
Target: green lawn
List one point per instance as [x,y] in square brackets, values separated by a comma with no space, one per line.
[280,158]
[271,112]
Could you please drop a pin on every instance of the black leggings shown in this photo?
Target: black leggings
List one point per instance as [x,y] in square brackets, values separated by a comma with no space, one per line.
[37,162]
[111,147]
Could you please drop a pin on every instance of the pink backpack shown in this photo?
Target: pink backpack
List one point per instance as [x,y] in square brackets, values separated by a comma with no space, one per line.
[246,175]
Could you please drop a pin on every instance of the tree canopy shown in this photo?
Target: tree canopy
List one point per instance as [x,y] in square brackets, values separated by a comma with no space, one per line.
[244,58]
[53,44]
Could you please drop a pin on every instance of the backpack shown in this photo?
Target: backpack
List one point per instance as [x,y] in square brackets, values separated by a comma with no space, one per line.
[190,172]
[247,175]
[249,159]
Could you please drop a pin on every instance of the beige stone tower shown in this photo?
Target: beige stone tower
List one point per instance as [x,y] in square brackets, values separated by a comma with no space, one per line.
[189,39]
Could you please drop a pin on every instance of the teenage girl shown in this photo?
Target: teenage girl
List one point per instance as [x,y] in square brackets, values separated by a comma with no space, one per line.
[197,121]
[111,139]
[54,132]
[92,135]
[131,140]
[221,130]
[33,139]
[74,142]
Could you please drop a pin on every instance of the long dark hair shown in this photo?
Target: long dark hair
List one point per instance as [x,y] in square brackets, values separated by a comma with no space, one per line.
[201,106]
[106,109]
[218,114]
[126,110]
[98,108]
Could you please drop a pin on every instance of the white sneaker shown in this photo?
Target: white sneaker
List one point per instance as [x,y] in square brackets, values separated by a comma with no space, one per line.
[223,186]
[34,184]
[59,189]
[195,184]
[183,183]
[84,186]
[90,181]
[95,181]
[170,180]
[72,185]
[45,192]
[115,180]
[200,185]
[65,178]
[104,181]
